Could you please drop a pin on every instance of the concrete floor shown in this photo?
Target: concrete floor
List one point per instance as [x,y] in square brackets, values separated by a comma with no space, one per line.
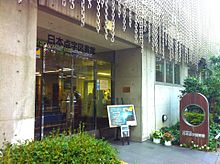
[150,153]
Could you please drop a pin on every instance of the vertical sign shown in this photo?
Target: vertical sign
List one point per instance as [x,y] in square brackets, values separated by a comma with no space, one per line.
[194,119]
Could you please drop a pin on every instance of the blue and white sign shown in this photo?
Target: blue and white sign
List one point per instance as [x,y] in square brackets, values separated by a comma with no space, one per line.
[119,115]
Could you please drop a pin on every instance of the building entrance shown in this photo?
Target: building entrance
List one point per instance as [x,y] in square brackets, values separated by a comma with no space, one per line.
[70,89]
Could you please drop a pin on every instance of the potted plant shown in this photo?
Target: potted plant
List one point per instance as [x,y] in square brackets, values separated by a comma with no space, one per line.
[167,138]
[157,135]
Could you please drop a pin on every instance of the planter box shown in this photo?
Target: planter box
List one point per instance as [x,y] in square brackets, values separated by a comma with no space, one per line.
[167,143]
[156,140]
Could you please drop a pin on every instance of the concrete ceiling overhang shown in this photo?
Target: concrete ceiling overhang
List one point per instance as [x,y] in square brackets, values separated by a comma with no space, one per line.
[48,22]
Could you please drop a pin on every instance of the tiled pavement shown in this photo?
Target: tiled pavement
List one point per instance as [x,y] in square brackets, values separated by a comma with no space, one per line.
[150,153]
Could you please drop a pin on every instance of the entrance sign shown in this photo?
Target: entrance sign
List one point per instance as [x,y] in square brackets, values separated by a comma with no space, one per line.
[73,46]
[119,115]
[194,119]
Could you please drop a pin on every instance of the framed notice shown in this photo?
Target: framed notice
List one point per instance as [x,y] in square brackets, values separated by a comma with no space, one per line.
[119,115]
[125,131]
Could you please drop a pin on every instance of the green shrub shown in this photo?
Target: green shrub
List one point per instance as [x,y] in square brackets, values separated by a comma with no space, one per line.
[194,118]
[175,131]
[214,129]
[61,148]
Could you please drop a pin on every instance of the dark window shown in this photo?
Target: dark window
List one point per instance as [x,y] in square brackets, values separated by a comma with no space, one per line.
[159,70]
[169,72]
[177,74]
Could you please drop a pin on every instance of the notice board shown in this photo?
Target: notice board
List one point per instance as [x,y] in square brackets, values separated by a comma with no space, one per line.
[119,115]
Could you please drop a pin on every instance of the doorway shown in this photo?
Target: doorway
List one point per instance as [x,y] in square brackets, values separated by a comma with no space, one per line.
[69,90]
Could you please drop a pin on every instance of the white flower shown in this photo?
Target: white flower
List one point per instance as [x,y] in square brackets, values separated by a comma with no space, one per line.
[202,147]
[181,145]
[1,154]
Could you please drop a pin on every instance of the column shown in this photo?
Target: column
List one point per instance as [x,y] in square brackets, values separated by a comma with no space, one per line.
[18,28]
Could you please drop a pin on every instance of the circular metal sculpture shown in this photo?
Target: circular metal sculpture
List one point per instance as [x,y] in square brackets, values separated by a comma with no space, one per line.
[194,119]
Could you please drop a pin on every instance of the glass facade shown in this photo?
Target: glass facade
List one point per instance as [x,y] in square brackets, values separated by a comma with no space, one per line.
[70,90]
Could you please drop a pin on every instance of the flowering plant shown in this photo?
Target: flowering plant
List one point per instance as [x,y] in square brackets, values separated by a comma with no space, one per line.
[167,136]
[157,134]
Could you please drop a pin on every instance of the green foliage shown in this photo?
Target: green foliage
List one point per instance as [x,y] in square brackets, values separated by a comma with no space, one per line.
[175,131]
[209,86]
[157,134]
[62,148]
[192,84]
[194,118]
[214,129]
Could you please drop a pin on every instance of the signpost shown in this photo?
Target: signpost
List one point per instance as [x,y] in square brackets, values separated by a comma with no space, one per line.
[122,116]
[194,119]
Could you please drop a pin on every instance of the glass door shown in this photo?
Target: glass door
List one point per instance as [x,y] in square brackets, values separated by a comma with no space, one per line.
[55,93]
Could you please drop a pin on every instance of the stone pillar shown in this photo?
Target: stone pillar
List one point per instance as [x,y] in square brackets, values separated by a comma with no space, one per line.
[18,28]
[148,92]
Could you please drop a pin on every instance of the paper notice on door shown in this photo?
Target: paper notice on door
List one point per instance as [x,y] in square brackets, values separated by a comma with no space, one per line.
[103,84]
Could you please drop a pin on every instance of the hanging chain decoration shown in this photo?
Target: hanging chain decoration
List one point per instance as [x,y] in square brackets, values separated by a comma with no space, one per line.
[98,16]
[130,18]
[72,4]
[106,20]
[89,4]
[119,8]
[102,3]
[20,1]
[169,24]
[64,3]
[124,17]
[135,28]
[141,33]
[145,26]
[113,22]
[82,13]
[149,32]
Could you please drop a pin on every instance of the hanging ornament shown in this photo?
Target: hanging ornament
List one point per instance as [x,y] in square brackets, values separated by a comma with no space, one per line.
[130,18]
[149,32]
[98,16]
[20,1]
[135,28]
[119,8]
[141,33]
[89,4]
[124,18]
[72,4]
[102,3]
[82,13]
[106,19]
[113,22]
[64,3]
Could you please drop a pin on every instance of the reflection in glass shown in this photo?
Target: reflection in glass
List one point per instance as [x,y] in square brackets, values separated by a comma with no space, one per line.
[193,115]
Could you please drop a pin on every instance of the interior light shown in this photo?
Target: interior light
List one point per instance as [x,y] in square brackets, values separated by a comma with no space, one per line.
[104,74]
[37,74]
[51,71]
[82,77]
[67,69]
